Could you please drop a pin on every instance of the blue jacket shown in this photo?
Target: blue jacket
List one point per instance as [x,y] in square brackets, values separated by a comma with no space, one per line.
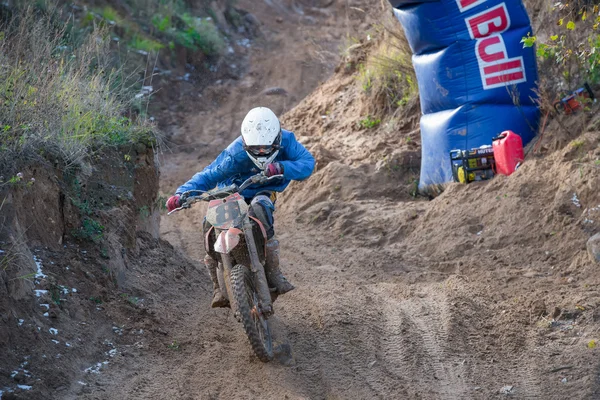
[234,166]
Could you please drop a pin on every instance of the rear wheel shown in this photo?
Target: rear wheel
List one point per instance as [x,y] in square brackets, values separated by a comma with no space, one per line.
[255,323]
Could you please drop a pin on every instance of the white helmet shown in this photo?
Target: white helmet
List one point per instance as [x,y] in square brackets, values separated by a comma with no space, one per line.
[261,133]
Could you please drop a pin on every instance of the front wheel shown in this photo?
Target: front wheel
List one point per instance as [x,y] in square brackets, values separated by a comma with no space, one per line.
[255,324]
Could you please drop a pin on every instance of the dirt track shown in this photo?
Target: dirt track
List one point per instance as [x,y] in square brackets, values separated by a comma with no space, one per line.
[365,321]
[361,324]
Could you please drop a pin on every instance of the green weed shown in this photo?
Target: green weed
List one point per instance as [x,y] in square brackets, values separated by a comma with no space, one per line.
[571,57]
[8,258]
[17,180]
[61,94]
[350,43]
[144,212]
[414,190]
[110,14]
[161,23]
[404,100]
[144,8]
[369,122]
[231,14]
[89,230]
[387,74]
[55,292]
[202,34]
[27,276]
[104,253]
[365,77]
[161,202]
[145,44]
[394,76]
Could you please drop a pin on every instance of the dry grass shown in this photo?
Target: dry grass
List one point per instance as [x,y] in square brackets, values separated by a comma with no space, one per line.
[388,74]
[59,98]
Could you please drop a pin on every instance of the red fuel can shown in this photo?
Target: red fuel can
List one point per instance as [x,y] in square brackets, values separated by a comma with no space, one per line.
[508,152]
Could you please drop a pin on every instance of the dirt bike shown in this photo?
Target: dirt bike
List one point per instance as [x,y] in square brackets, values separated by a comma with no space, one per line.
[241,271]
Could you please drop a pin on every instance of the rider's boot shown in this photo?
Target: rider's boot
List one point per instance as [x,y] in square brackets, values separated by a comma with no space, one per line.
[274,275]
[218,299]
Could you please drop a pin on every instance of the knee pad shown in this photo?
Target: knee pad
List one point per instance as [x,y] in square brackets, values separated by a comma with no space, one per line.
[262,208]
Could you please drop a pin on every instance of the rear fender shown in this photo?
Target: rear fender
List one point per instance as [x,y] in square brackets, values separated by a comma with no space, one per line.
[228,240]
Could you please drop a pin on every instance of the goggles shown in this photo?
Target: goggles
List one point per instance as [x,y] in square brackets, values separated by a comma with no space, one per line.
[261,151]
[264,150]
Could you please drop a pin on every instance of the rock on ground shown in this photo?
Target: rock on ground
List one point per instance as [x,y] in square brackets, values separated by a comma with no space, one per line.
[593,247]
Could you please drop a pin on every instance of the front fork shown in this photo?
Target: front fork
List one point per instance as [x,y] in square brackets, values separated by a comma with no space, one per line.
[262,287]
[225,278]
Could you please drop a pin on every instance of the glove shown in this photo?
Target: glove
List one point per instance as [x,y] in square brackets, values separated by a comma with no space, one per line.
[274,169]
[173,203]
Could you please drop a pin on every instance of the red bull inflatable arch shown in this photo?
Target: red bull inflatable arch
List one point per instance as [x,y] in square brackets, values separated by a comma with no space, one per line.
[475,78]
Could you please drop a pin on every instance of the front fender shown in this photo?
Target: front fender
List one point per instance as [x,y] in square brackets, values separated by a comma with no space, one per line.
[228,240]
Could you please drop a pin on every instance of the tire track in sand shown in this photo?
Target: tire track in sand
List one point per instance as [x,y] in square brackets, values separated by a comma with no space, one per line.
[419,344]
[388,348]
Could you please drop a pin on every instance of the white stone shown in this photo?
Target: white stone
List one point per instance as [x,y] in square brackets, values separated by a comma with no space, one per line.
[593,247]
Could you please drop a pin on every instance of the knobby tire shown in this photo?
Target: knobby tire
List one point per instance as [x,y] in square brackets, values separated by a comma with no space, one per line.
[246,298]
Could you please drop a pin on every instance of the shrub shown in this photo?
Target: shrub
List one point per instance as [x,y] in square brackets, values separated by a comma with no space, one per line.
[365,77]
[202,34]
[139,42]
[369,122]
[191,32]
[60,98]
[393,69]
[90,230]
[148,8]
[573,47]
[110,14]
[388,75]
[161,23]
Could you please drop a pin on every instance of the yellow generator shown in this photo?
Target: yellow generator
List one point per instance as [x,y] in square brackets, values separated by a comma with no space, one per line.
[472,165]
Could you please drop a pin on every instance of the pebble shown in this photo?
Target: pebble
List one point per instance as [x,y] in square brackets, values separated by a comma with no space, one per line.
[593,248]
[507,389]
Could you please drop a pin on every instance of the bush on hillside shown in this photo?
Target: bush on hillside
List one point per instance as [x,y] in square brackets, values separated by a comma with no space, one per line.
[173,21]
[57,98]
[193,33]
[572,46]
[203,34]
[388,75]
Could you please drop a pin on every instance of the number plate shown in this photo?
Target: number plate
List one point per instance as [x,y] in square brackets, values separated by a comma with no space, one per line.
[227,213]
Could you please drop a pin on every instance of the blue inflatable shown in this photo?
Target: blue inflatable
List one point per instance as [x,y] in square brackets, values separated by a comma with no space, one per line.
[475,78]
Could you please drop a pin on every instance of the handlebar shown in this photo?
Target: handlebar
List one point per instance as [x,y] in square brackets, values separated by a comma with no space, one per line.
[188,198]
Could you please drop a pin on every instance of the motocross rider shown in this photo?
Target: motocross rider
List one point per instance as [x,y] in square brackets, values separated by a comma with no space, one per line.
[263,146]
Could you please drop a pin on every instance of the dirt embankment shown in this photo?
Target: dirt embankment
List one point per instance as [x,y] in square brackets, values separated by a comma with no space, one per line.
[82,268]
